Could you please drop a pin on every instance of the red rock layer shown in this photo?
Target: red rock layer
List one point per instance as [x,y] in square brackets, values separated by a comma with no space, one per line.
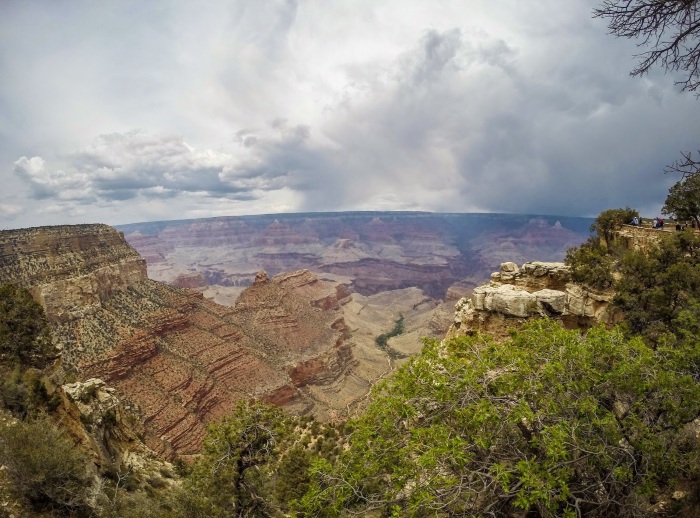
[185,361]
[181,359]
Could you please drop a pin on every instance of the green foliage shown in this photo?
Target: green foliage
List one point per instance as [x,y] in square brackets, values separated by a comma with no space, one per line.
[610,220]
[24,335]
[549,423]
[257,462]
[683,200]
[23,393]
[230,478]
[382,340]
[44,467]
[137,505]
[591,264]
[656,287]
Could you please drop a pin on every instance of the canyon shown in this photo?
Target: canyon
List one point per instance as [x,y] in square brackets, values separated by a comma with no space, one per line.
[281,308]
[180,361]
[370,252]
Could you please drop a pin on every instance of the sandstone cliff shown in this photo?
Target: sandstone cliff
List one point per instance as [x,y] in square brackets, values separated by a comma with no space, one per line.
[70,270]
[516,294]
[181,360]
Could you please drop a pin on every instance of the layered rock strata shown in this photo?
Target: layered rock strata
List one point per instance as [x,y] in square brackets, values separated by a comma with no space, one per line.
[373,252]
[515,294]
[70,270]
[181,360]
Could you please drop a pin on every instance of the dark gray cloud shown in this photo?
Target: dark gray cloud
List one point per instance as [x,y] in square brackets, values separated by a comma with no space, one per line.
[464,124]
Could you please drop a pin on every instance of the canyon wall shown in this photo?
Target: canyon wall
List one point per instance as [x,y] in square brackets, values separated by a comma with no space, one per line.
[370,252]
[180,360]
[300,339]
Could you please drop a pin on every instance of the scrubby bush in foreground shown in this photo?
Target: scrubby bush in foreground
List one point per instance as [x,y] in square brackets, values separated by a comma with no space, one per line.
[44,467]
[551,423]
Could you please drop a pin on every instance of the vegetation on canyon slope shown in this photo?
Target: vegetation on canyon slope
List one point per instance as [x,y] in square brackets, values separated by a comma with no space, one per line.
[551,422]
[24,332]
[382,340]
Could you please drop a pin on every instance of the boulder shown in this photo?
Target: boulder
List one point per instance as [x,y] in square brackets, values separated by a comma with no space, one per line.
[505,299]
[553,301]
[509,271]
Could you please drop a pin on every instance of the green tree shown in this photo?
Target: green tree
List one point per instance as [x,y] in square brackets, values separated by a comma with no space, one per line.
[24,394]
[608,221]
[44,467]
[24,331]
[658,284]
[548,424]
[230,479]
[683,200]
[591,264]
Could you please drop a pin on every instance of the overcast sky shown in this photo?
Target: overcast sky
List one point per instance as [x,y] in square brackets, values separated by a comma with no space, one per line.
[126,111]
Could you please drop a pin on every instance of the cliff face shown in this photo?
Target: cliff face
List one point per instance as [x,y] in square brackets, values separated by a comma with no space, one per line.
[181,359]
[515,294]
[70,270]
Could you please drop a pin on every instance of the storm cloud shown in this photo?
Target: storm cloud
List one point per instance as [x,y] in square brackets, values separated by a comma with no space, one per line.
[166,110]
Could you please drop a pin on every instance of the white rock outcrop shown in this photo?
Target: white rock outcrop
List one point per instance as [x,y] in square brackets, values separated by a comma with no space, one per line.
[94,399]
[534,289]
[506,299]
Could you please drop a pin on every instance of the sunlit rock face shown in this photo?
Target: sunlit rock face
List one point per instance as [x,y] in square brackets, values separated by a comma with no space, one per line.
[370,252]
